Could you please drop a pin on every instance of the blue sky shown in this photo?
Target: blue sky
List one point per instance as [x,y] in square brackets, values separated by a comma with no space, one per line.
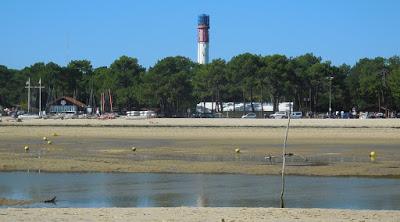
[341,31]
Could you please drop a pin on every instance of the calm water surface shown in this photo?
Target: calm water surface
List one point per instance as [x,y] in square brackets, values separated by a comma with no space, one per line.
[172,190]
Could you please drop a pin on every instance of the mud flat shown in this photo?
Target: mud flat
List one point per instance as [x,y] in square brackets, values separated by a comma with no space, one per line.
[194,214]
[327,150]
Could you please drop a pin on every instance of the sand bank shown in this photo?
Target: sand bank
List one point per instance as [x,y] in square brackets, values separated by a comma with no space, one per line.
[195,214]
[332,151]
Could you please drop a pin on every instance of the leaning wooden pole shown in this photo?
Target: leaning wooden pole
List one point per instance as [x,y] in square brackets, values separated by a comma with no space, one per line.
[284,156]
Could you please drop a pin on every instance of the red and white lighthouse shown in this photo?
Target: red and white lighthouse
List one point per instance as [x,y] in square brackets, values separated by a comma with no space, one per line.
[203,38]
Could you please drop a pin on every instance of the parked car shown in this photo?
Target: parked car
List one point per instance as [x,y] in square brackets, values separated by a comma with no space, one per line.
[202,115]
[206,115]
[278,115]
[296,115]
[195,115]
[249,116]
[374,115]
[346,115]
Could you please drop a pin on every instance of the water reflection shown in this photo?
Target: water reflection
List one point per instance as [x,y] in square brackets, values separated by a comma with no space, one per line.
[201,190]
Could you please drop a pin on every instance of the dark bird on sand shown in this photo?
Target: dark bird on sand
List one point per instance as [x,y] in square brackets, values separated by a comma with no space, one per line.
[52,200]
[289,154]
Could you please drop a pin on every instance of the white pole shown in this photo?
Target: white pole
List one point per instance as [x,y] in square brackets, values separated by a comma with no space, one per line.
[40,97]
[330,97]
[29,95]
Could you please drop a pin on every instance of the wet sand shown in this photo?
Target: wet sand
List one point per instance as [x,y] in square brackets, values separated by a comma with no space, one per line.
[328,147]
[195,214]
[12,202]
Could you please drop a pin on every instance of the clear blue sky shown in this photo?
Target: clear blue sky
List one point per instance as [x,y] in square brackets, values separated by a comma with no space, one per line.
[341,31]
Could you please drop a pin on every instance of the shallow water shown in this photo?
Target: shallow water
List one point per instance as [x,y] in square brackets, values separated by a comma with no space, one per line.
[173,190]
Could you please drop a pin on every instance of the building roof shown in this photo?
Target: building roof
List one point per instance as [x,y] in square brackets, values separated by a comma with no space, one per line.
[69,99]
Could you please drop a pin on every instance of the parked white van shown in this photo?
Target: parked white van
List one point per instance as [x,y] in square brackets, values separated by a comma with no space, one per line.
[278,115]
[296,115]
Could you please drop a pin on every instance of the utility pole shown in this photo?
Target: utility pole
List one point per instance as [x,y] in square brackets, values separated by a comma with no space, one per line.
[40,96]
[330,96]
[29,87]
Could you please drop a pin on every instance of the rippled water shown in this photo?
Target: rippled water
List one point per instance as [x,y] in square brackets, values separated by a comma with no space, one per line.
[172,190]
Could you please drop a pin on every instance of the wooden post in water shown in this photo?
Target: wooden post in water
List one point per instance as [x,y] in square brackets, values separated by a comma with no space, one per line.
[284,156]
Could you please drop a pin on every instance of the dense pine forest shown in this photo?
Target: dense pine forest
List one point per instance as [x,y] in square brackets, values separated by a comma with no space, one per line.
[175,84]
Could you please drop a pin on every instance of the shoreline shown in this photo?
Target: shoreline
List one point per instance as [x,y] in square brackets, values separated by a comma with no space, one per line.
[204,122]
[192,214]
[201,126]
[205,173]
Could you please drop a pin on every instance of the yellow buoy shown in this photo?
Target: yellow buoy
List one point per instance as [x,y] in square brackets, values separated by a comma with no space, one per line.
[237,150]
[133,149]
[26,148]
[45,138]
[372,155]
[55,134]
[49,142]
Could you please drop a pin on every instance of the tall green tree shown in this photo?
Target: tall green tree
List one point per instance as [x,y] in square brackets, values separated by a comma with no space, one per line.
[242,73]
[274,75]
[10,91]
[78,73]
[210,82]
[368,78]
[127,71]
[168,84]
[394,84]
[301,79]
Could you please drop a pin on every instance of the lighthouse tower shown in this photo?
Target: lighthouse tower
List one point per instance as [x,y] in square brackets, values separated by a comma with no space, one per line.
[203,38]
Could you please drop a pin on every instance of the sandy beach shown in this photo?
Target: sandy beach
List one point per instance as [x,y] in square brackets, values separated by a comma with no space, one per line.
[195,214]
[213,122]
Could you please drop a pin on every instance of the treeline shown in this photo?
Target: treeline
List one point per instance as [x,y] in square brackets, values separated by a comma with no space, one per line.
[175,84]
